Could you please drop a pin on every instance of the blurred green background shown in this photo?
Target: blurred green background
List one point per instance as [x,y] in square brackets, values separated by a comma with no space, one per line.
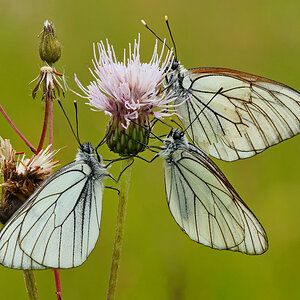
[158,260]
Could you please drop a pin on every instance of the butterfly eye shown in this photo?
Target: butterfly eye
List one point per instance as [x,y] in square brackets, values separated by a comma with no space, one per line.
[175,65]
[178,135]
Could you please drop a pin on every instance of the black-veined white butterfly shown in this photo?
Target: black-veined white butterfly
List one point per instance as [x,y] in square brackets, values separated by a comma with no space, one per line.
[59,225]
[203,202]
[249,115]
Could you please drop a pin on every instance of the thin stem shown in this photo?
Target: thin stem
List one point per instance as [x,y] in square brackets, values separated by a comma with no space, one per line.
[123,198]
[42,139]
[50,108]
[51,124]
[16,129]
[57,283]
[31,285]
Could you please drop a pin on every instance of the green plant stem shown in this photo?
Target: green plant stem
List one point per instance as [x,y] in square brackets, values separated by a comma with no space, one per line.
[31,285]
[123,198]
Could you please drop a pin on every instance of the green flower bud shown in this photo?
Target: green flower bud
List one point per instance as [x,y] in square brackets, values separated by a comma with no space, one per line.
[50,48]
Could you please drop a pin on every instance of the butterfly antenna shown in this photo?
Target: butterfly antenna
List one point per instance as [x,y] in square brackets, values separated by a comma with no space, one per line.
[201,111]
[77,123]
[104,139]
[161,121]
[177,124]
[170,32]
[145,24]
[76,137]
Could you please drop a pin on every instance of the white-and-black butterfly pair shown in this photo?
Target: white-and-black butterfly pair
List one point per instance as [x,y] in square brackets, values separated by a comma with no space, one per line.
[59,224]
[230,115]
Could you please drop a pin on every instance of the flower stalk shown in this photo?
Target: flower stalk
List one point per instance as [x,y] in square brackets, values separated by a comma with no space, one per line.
[123,199]
[17,130]
[30,284]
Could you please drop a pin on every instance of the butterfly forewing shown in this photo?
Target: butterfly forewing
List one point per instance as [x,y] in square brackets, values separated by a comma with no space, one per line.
[58,226]
[207,208]
[247,116]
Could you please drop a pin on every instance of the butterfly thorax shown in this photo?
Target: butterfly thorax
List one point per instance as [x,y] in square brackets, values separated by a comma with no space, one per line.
[174,80]
[86,154]
[175,140]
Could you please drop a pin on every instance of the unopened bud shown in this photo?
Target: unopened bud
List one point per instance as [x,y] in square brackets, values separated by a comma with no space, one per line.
[50,48]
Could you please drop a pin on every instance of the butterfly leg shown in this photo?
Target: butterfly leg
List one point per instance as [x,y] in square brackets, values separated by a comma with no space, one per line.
[117,180]
[112,188]
[148,161]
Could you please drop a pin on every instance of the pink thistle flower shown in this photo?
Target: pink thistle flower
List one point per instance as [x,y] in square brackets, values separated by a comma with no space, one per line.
[129,88]
[129,91]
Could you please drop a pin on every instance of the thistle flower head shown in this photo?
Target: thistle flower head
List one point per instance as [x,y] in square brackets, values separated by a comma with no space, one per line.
[129,91]
[21,176]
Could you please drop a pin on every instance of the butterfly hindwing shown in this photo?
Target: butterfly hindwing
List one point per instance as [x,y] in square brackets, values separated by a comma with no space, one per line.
[207,208]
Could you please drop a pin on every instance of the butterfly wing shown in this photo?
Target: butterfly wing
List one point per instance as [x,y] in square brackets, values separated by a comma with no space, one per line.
[250,114]
[206,206]
[11,255]
[59,224]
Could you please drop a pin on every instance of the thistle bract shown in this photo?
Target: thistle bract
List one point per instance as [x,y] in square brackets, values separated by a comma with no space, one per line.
[130,140]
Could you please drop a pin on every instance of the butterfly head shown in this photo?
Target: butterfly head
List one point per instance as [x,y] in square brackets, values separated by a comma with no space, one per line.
[175,139]
[87,148]
[87,153]
[175,65]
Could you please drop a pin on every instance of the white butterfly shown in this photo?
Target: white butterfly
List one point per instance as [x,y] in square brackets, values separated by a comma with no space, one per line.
[203,202]
[59,225]
[247,116]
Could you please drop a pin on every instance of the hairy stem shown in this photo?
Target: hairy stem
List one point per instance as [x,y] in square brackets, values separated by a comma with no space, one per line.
[123,198]
[16,129]
[31,285]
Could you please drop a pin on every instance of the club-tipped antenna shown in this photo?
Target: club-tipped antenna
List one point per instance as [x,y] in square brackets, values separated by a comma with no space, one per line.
[164,42]
[76,137]
[77,123]
[170,32]
[201,111]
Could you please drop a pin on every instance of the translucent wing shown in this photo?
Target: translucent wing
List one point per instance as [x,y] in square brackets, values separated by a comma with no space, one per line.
[249,115]
[11,255]
[206,206]
[59,224]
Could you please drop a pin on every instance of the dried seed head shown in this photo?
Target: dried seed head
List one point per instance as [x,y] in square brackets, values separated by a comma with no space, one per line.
[21,176]
[50,85]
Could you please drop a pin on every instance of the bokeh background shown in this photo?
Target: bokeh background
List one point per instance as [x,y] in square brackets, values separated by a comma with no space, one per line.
[158,260]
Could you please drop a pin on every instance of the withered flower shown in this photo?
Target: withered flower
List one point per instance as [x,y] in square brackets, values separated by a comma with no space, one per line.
[21,176]
[50,84]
